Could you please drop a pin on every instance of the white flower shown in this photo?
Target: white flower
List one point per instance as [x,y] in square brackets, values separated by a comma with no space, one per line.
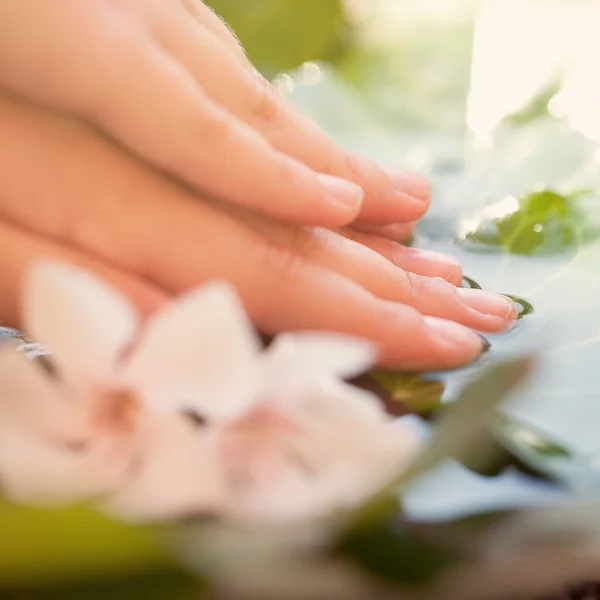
[185,413]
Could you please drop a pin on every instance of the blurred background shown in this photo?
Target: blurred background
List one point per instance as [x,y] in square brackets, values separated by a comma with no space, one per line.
[498,102]
[425,82]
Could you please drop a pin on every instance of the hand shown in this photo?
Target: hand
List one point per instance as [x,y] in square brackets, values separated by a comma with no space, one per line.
[66,191]
[167,79]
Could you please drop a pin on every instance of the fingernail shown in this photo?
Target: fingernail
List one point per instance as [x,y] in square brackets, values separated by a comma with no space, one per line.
[343,192]
[454,334]
[489,303]
[413,184]
[485,342]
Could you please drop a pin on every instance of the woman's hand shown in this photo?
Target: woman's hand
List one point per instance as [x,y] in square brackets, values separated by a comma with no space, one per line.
[68,192]
[167,80]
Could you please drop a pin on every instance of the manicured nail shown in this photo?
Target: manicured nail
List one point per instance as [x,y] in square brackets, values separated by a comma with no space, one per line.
[413,184]
[343,192]
[485,342]
[455,335]
[489,303]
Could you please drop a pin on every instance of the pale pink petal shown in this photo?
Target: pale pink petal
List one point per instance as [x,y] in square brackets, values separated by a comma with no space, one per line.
[345,448]
[39,469]
[348,424]
[295,357]
[327,400]
[37,400]
[199,353]
[292,496]
[177,473]
[83,321]
[50,450]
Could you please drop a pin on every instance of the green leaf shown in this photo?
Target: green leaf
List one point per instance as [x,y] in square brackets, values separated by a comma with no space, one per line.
[533,450]
[394,552]
[419,394]
[462,433]
[50,547]
[527,439]
[467,282]
[280,35]
[538,223]
[161,585]
[524,307]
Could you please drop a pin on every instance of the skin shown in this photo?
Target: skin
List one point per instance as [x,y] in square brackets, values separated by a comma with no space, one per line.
[116,146]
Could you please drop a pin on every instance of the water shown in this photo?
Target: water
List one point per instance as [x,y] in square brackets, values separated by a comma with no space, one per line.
[406,98]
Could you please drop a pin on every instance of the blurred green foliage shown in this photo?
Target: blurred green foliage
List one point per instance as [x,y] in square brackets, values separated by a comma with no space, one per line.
[397,553]
[376,538]
[544,222]
[157,585]
[418,393]
[280,35]
[52,548]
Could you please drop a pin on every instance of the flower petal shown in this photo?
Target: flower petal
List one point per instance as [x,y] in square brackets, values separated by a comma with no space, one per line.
[83,321]
[41,470]
[295,357]
[32,397]
[348,427]
[178,474]
[343,449]
[199,353]
[49,450]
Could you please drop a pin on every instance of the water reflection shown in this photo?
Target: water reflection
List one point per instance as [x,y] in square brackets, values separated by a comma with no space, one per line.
[401,97]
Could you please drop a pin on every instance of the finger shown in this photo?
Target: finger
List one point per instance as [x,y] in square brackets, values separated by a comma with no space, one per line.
[391,195]
[151,104]
[398,232]
[414,260]
[98,199]
[479,309]
[283,291]
[204,144]
[19,249]
[412,183]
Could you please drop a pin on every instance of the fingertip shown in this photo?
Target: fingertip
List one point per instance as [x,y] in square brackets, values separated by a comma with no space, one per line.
[412,183]
[490,304]
[390,197]
[459,339]
[444,345]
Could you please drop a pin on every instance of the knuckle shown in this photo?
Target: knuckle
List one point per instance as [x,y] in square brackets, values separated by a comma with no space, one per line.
[351,165]
[437,290]
[266,106]
[213,125]
[341,164]
[425,290]
[396,254]
[278,259]
[419,286]
[299,244]
[313,243]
